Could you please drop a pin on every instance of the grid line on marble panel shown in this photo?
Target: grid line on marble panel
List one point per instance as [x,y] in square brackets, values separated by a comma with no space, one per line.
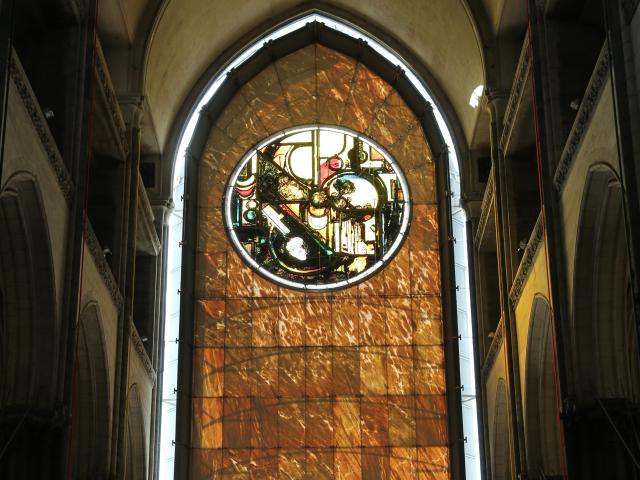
[387,412]
[377,108]
[302,398]
[256,114]
[363,344]
[352,82]
[315,78]
[313,296]
[359,327]
[286,100]
[423,460]
[249,412]
[237,358]
[319,349]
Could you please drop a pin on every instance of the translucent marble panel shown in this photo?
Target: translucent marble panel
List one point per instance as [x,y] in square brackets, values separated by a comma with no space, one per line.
[348,384]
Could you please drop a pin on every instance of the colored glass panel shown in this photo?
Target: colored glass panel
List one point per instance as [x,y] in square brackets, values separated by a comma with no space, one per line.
[317,208]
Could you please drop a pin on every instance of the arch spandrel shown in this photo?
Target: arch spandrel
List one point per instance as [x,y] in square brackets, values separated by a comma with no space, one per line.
[283,375]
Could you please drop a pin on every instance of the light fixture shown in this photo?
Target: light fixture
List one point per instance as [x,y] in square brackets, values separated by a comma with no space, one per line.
[474,101]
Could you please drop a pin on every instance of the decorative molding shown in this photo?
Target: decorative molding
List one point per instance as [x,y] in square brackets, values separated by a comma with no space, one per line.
[147,240]
[535,240]
[517,92]
[485,210]
[102,73]
[583,118]
[496,343]
[103,267]
[142,354]
[32,106]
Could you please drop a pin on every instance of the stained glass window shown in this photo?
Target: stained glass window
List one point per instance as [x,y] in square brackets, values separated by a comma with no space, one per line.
[317,208]
[294,383]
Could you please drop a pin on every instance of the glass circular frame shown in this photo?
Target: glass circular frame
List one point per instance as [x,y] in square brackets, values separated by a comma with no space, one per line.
[315,286]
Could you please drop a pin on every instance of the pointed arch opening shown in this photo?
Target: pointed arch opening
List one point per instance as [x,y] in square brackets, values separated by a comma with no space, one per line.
[542,420]
[500,458]
[606,350]
[605,345]
[30,329]
[220,95]
[92,404]
[136,457]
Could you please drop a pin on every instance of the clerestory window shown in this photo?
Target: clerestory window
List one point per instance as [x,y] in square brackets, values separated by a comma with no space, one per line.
[318,383]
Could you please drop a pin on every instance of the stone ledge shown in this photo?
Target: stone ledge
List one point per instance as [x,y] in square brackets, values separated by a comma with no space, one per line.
[142,354]
[34,111]
[528,258]
[110,100]
[485,211]
[495,346]
[583,118]
[103,267]
[147,240]
[516,94]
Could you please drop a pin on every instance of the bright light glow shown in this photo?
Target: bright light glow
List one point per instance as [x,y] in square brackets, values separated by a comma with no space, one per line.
[467,367]
[295,246]
[474,101]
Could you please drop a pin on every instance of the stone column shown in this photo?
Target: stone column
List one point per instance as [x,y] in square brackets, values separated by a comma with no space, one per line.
[127,285]
[162,213]
[496,102]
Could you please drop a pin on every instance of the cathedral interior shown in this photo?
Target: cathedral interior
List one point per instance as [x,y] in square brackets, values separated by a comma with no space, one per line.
[291,239]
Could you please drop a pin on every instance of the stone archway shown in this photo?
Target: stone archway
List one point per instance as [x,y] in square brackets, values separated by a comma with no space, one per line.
[29,377]
[605,347]
[136,454]
[92,404]
[282,378]
[543,446]
[500,459]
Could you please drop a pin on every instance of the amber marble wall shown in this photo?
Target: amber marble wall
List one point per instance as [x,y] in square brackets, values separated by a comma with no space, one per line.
[348,384]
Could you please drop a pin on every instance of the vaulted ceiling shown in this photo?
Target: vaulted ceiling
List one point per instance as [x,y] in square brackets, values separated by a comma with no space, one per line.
[183,38]
[191,34]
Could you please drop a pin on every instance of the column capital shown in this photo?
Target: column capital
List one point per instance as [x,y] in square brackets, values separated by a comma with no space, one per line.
[495,101]
[472,207]
[162,210]
[133,108]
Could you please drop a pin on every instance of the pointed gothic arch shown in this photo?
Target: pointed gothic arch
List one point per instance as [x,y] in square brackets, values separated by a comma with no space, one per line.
[543,445]
[605,346]
[93,406]
[606,351]
[223,97]
[30,331]
[500,458]
[136,455]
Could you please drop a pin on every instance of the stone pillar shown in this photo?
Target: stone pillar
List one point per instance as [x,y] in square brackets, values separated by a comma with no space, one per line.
[622,25]
[74,142]
[162,213]
[496,102]
[550,127]
[127,285]
[473,210]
